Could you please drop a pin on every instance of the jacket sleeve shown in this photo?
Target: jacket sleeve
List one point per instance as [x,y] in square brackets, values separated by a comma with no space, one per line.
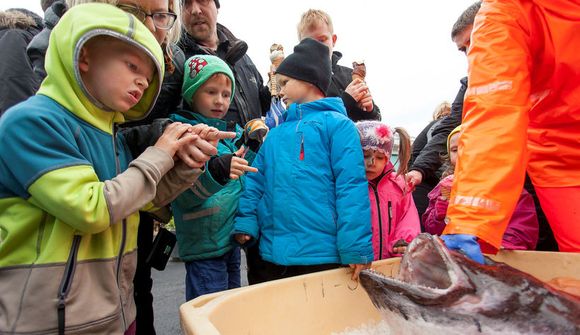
[408,226]
[77,197]
[17,82]
[432,221]
[200,190]
[523,230]
[357,114]
[354,232]
[429,160]
[180,178]
[246,221]
[139,138]
[492,147]
[47,168]
[420,142]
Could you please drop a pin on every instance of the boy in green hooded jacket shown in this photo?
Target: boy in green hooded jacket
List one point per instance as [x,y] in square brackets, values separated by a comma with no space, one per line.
[69,189]
[204,214]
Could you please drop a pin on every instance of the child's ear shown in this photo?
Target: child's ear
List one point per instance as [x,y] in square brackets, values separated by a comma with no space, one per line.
[84,60]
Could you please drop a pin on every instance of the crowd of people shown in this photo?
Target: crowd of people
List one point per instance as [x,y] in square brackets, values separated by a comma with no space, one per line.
[115,114]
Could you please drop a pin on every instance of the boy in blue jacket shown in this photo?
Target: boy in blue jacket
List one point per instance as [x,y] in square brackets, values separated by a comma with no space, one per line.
[308,203]
[204,214]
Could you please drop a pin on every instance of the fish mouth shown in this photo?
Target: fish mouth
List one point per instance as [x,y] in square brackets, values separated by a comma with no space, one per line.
[428,275]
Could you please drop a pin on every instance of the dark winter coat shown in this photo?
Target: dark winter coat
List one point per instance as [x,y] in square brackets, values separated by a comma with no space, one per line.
[17,81]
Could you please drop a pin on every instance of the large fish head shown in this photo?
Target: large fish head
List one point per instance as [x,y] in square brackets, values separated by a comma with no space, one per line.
[429,274]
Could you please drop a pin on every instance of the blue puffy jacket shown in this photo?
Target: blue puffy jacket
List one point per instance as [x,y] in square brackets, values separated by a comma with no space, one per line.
[309,201]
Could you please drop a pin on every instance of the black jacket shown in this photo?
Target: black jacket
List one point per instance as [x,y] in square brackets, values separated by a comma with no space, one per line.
[251,99]
[37,47]
[17,81]
[341,77]
[429,161]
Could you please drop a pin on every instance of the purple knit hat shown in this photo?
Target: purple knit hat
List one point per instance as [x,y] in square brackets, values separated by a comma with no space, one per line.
[375,135]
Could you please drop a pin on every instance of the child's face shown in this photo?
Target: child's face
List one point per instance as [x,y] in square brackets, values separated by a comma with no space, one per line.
[115,73]
[212,99]
[321,32]
[375,162]
[292,90]
[453,142]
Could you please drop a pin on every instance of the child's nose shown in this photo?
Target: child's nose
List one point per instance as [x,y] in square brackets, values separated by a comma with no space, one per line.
[142,83]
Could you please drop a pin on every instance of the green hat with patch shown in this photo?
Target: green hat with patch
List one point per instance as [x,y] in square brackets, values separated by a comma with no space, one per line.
[198,69]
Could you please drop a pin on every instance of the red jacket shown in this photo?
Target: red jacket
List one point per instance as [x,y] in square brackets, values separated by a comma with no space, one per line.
[521,111]
[394,216]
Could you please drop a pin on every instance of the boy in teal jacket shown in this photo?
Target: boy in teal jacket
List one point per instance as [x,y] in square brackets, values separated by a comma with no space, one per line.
[204,214]
[69,189]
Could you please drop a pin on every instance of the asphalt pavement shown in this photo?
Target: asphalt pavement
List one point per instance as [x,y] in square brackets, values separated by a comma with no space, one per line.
[169,294]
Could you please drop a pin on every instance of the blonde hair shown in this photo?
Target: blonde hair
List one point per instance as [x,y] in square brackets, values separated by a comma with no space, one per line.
[311,18]
[443,109]
[173,35]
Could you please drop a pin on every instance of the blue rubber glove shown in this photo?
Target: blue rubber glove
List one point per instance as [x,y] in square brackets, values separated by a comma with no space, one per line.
[467,244]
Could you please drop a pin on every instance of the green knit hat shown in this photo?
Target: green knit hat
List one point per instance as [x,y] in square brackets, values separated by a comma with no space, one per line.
[198,69]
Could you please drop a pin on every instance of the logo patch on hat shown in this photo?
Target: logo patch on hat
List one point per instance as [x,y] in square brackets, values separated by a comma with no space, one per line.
[195,66]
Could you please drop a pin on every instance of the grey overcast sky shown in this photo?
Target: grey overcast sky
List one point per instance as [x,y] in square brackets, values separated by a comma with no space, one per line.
[412,65]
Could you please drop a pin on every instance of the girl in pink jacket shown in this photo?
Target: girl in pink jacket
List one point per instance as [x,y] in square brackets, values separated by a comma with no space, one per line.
[395,221]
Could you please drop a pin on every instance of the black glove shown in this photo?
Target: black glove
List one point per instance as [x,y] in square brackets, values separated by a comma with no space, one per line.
[220,167]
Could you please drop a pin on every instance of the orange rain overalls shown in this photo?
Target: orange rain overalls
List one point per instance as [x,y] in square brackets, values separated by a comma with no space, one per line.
[521,111]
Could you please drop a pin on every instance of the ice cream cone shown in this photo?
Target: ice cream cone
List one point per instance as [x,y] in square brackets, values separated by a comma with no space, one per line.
[359,70]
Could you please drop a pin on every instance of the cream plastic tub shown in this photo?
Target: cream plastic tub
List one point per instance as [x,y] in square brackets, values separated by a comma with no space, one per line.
[325,302]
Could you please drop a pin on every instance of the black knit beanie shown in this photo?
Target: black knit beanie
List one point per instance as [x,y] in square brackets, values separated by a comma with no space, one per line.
[217,3]
[310,62]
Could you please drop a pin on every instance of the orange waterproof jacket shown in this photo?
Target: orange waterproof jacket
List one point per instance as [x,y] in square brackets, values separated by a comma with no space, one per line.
[521,111]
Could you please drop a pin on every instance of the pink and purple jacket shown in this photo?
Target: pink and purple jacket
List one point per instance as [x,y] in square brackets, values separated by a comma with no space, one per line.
[521,233]
[393,213]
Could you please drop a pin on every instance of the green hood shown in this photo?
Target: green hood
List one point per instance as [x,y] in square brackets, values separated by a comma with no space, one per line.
[63,82]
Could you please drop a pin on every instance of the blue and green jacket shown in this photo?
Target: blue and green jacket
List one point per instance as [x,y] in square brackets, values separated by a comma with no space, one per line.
[65,242]
[204,214]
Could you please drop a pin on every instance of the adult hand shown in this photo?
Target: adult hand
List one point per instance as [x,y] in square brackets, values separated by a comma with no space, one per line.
[357,89]
[466,244]
[366,103]
[239,166]
[357,268]
[413,178]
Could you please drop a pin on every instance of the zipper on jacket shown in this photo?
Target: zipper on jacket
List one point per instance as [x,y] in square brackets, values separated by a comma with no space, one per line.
[390,208]
[380,221]
[66,282]
[301,154]
[301,157]
[124,229]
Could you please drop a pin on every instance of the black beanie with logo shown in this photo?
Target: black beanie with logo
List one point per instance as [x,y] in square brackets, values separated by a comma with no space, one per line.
[310,62]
